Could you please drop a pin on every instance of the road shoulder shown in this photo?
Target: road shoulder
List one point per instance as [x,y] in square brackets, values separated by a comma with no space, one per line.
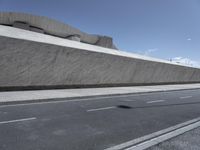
[13,97]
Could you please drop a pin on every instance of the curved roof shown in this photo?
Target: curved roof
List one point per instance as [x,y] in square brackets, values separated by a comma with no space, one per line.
[52,27]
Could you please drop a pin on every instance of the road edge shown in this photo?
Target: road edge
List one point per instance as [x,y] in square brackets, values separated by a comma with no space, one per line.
[155,138]
[85,97]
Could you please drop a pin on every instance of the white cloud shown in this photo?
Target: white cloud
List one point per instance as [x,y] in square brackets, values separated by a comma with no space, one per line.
[189,39]
[186,61]
[149,51]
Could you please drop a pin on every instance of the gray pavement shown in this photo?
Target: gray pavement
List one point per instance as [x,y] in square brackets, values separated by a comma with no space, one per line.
[187,141]
[93,123]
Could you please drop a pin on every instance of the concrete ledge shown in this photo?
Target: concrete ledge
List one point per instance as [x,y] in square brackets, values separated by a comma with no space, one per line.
[10,32]
[16,97]
[57,87]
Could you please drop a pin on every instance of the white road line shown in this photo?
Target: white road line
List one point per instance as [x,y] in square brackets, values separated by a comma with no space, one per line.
[3,112]
[162,138]
[157,101]
[185,97]
[129,100]
[18,120]
[157,137]
[99,109]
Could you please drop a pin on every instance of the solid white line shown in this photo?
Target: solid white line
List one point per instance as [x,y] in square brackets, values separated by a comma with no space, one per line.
[99,109]
[185,97]
[157,134]
[18,120]
[162,138]
[157,101]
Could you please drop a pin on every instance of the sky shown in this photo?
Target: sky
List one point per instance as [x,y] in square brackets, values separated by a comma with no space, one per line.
[166,29]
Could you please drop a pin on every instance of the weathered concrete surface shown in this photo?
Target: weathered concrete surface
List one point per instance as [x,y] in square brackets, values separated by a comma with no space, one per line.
[29,59]
[186,141]
[46,25]
[8,97]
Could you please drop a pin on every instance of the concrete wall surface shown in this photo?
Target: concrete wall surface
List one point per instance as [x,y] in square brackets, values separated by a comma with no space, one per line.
[29,59]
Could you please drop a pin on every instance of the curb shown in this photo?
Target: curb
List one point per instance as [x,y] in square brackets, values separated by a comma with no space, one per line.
[84,97]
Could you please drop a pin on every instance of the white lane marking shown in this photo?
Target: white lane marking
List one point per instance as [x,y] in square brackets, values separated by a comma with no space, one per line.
[18,120]
[3,112]
[99,109]
[129,100]
[185,97]
[157,101]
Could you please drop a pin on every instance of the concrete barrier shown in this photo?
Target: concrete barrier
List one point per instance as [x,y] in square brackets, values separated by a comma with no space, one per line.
[33,60]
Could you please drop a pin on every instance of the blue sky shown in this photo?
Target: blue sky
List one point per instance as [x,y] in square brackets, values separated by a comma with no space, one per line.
[159,28]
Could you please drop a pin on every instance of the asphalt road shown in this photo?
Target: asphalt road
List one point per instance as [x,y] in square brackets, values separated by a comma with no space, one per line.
[93,123]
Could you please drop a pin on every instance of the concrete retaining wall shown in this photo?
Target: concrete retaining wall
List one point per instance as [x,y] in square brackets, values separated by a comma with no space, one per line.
[34,60]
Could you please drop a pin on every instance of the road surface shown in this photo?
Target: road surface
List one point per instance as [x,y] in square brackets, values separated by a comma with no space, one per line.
[93,123]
